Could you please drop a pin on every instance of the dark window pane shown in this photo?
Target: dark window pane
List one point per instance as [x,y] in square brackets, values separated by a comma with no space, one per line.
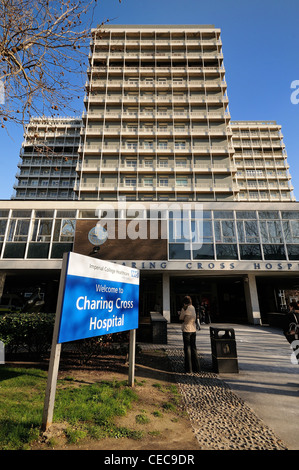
[268,215]
[274,252]
[293,252]
[38,250]
[290,214]
[21,213]
[223,215]
[226,251]
[246,215]
[2,228]
[67,214]
[250,252]
[44,214]
[205,252]
[59,248]
[178,251]
[14,250]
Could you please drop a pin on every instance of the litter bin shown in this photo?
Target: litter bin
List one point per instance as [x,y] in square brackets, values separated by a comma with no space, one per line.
[224,350]
[159,328]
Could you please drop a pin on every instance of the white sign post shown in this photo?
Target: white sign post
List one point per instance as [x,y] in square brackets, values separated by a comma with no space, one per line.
[95,297]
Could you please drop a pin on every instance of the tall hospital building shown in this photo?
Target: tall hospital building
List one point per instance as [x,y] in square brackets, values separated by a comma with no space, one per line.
[157,129]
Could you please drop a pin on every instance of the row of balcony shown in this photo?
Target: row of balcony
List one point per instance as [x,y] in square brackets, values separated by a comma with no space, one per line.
[158,69]
[200,187]
[63,195]
[48,160]
[44,184]
[272,174]
[259,165]
[169,114]
[153,131]
[266,185]
[101,98]
[254,154]
[161,42]
[149,82]
[167,168]
[156,55]
[261,143]
[177,148]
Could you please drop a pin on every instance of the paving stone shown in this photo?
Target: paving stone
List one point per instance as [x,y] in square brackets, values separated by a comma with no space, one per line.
[220,419]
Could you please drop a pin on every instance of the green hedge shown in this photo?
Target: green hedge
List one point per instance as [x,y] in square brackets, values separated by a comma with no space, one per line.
[27,332]
[32,333]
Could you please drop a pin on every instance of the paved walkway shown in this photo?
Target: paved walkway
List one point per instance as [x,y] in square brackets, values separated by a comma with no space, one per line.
[256,408]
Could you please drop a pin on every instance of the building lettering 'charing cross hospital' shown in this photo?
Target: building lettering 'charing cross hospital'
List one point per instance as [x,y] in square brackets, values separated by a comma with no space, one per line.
[155,175]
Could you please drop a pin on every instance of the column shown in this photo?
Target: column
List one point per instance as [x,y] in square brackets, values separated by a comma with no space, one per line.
[252,301]
[166,296]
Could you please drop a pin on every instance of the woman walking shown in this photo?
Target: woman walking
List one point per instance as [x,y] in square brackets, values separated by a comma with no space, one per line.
[188,315]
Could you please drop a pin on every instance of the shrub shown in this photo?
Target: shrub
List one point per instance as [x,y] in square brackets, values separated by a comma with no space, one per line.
[29,332]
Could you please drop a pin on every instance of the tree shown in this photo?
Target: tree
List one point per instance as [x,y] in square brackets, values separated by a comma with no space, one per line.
[43,52]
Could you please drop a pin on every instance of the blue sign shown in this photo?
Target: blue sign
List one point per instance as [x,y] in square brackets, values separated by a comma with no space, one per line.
[99,298]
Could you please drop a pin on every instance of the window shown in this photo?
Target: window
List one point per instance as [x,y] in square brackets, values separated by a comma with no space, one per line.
[182,163]
[148,144]
[148,162]
[274,252]
[205,252]
[179,127]
[227,251]
[162,145]
[163,162]
[271,231]
[180,145]
[131,163]
[131,145]
[2,228]
[224,231]
[18,230]
[250,252]
[291,231]
[178,251]
[130,181]
[41,230]
[133,81]
[248,231]
[148,182]
[163,181]
[181,181]
[64,230]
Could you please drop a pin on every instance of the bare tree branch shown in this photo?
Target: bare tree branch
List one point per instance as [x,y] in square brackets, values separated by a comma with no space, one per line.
[43,54]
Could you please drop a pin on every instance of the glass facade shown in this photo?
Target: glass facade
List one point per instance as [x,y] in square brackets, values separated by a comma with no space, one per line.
[36,234]
[218,235]
[240,235]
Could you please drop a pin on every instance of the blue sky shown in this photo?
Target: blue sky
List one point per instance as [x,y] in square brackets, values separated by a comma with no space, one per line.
[260,46]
